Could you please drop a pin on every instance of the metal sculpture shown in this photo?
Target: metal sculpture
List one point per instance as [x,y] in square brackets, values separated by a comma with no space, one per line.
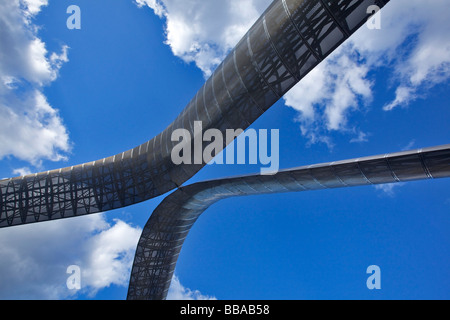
[285,43]
[164,234]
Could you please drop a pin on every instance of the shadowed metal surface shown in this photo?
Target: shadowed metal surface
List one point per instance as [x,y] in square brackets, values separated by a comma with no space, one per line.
[163,235]
[287,41]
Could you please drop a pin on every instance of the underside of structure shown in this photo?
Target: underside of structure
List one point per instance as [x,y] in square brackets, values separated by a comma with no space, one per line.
[285,43]
[164,234]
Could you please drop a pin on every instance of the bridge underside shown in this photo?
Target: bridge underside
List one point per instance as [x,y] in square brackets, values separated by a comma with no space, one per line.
[164,234]
[285,43]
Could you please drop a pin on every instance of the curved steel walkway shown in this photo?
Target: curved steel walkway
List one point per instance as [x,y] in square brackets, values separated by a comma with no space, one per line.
[287,41]
[164,234]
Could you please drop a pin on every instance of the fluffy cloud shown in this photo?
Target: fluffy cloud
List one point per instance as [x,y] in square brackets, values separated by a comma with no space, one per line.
[34,258]
[31,129]
[111,255]
[22,171]
[421,62]
[413,44]
[388,189]
[325,97]
[204,31]
[178,292]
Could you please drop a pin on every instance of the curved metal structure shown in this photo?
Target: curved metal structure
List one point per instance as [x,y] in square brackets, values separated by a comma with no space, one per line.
[164,234]
[287,41]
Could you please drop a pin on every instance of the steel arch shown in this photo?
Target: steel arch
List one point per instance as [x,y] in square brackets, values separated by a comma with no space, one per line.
[285,43]
[164,234]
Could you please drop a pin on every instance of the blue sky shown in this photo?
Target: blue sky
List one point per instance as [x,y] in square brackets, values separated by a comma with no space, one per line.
[73,96]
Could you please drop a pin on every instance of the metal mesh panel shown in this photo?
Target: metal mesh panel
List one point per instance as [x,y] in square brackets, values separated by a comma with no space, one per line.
[288,40]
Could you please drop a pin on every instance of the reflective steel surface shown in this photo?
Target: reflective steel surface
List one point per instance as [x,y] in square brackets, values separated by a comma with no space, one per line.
[164,234]
[287,41]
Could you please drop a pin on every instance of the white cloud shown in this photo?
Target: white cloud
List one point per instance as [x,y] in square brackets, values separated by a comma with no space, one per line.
[362,137]
[413,47]
[31,130]
[111,255]
[178,292]
[409,145]
[22,171]
[326,96]
[388,188]
[413,42]
[403,96]
[157,7]
[34,6]
[34,258]
[429,60]
[204,31]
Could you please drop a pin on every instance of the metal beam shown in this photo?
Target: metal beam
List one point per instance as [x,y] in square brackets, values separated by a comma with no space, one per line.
[285,43]
[164,234]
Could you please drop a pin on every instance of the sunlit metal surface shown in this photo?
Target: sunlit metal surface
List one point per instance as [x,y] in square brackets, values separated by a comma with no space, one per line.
[164,234]
[287,41]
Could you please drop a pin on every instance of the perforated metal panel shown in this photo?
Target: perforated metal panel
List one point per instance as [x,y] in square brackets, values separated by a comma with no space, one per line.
[289,39]
[163,235]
